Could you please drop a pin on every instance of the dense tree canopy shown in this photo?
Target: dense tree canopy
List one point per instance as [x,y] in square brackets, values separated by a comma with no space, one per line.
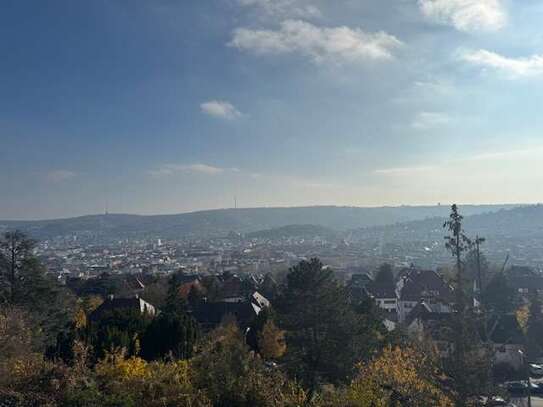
[499,297]
[534,327]
[170,334]
[325,337]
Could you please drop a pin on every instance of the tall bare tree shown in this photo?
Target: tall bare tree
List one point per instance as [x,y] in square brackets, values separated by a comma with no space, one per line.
[15,249]
[469,366]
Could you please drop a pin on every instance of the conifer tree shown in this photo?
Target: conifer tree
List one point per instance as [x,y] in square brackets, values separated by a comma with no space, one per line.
[534,332]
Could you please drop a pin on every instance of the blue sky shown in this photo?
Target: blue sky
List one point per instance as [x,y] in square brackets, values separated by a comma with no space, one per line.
[164,106]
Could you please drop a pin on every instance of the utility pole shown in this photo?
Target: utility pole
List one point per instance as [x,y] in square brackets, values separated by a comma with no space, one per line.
[527,367]
[478,241]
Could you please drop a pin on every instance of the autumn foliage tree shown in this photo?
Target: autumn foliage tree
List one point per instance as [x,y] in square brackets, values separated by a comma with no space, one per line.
[232,375]
[271,341]
[398,377]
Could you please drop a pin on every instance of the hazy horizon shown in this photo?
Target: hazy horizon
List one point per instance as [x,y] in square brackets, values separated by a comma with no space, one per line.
[165,106]
[446,205]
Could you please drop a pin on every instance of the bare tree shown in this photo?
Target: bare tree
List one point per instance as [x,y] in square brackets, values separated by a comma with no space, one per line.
[457,243]
[15,249]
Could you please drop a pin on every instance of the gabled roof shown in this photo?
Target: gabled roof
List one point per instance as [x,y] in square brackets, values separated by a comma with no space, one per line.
[381,290]
[421,284]
[134,303]
[231,287]
[213,313]
[259,300]
[428,312]
[524,277]
[360,279]
[521,271]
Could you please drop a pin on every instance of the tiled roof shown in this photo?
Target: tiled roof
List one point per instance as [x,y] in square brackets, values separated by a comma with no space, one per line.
[420,284]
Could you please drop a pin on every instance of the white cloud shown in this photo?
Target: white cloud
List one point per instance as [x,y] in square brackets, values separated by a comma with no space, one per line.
[428,120]
[513,67]
[284,8]
[466,15]
[339,44]
[221,109]
[171,169]
[60,175]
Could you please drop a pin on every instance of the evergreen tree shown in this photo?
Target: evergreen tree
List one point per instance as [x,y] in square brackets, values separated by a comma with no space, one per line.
[170,334]
[534,332]
[498,296]
[384,276]
[24,283]
[173,332]
[325,337]
[50,305]
[175,303]
[118,329]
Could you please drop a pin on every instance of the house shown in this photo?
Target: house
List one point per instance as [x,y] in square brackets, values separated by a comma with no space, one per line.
[431,321]
[211,314]
[360,280]
[384,295]
[524,279]
[357,286]
[259,300]
[136,303]
[414,286]
[507,339]
[134,285]
[231,288]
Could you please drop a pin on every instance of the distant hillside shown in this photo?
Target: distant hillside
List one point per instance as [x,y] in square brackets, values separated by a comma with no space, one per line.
[519,222]
[294,231]
[220,222]
[515,234]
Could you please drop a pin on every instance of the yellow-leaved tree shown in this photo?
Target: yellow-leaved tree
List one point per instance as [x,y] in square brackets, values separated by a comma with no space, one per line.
[271,341]
[148,383]
[398,377]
